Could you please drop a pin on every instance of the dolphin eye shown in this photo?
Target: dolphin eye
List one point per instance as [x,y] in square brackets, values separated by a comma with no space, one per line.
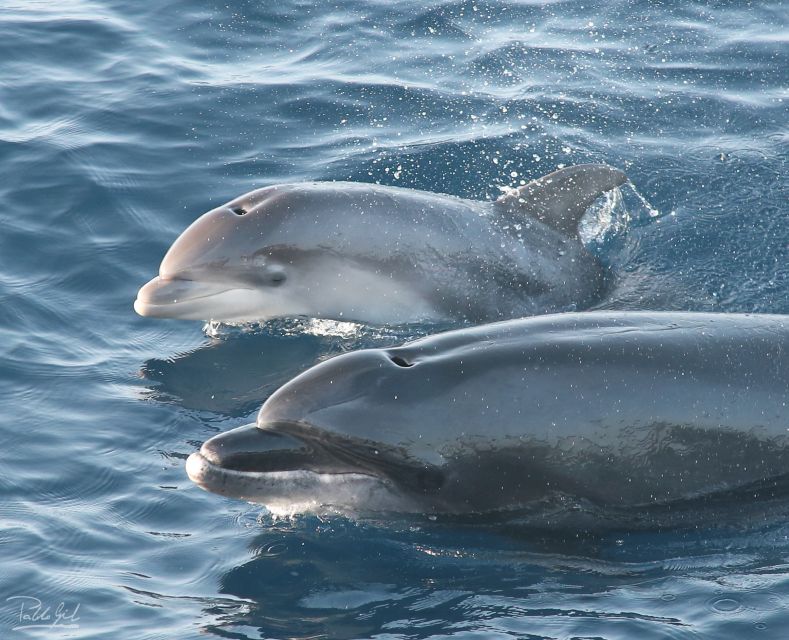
[401,362]
[276,277]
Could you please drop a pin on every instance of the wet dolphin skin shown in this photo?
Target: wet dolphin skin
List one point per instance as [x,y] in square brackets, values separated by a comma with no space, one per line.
[615,408]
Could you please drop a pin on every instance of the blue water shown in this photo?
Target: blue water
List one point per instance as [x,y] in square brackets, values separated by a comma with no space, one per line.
[120,122]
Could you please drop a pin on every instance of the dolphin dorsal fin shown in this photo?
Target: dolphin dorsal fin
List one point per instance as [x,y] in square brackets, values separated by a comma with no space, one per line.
[561,198]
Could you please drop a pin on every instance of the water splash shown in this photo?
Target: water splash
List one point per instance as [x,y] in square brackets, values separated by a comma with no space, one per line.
[614,213]
[353,333]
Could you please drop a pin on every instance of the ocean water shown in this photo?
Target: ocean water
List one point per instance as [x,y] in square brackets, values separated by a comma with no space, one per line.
[120,122]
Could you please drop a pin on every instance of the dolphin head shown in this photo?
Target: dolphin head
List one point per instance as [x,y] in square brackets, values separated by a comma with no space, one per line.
[336,437]
[219,265]
[287,250]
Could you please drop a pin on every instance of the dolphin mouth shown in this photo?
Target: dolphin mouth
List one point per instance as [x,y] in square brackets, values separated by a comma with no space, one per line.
[228,481]
[284,472]
[249,451]
[294,467]
[176,297]
[288,492]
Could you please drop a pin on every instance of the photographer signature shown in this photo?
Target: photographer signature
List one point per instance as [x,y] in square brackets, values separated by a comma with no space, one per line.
[34,614]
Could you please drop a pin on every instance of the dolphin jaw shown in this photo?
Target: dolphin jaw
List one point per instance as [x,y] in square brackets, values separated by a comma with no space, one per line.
[173,297]
[285,471]
[185,299]
[295,491]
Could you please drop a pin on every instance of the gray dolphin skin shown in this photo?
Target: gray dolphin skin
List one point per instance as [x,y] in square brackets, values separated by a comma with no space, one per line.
[624,409]
[374,254]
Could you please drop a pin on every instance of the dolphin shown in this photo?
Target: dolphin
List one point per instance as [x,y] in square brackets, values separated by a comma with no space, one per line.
[385,255]
[610,409]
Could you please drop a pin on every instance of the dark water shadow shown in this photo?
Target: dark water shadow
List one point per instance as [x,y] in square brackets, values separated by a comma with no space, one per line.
[233,373]
[341,578]
[338,578]
[233,377]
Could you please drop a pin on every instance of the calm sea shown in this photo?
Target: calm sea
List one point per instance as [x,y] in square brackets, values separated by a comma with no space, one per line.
[120,122]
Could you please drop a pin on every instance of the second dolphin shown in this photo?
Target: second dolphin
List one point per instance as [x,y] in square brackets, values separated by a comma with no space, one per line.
[624,410]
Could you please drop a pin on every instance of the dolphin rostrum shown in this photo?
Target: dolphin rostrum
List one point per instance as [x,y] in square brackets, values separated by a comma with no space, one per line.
[375,254]
[616,409]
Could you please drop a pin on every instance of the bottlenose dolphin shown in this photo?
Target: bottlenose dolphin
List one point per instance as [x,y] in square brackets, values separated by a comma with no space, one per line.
[620,409]
[374,254]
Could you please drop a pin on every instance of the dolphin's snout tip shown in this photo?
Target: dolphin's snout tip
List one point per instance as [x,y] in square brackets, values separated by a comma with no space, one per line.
[145,303]
[196,467]
[143,308]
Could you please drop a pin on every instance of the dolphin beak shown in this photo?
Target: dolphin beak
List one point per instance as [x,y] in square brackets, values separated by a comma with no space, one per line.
[247,450]
[175,297]
[287,471]
[250,448]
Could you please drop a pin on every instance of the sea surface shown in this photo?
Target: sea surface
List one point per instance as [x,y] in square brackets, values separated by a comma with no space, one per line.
[121,122]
